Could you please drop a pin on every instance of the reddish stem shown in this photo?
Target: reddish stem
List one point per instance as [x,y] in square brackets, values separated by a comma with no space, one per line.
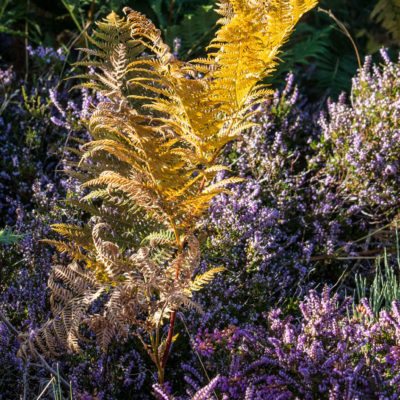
[171,329]
[173,314]
[169,339]
[202,185]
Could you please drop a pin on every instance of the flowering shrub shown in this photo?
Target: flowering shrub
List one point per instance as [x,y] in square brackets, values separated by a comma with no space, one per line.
[297,210]
[327,354]
[29,141]
[261,227]
[29,193]
[359,147]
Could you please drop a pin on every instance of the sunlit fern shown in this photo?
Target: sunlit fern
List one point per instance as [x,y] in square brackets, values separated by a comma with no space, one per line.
[151,170]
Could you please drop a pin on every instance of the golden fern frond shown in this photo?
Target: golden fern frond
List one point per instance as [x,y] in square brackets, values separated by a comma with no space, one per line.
[224,182]
[131,187]
[116,149]
[225,135]
[74,251]
[203,279]
[126,219]
[80,235]
[225,8]
[183,190]
[143,31]
[216,168]
[109,33]
[150,170]
[114,49]
[246,46]
[95,194]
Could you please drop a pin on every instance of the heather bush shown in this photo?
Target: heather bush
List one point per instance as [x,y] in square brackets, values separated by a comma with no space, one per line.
[32,144]
[258,231]
[297,212]
[325,353]
[290,218]
[359,146]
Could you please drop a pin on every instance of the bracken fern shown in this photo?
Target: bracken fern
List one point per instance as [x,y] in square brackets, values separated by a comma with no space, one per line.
[150,170]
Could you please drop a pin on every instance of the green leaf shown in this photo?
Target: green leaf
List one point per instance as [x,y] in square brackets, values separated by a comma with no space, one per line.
[7,237]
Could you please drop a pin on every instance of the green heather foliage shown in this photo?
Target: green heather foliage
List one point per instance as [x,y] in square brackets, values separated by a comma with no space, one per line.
[385,288]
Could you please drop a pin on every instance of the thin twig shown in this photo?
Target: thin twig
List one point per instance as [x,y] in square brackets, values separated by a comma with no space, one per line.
[170,12]
[8,324]
[45,388]
[25,380]
[346,32]
[197,353]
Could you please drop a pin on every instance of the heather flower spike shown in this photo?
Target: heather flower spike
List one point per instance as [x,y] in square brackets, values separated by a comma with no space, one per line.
[153,161]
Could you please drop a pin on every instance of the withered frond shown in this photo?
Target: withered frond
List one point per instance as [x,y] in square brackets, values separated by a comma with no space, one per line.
[73,290]
[162,238]
[108,254]
[68,282]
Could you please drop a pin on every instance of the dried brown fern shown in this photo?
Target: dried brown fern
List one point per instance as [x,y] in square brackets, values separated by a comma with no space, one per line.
[124,297]
[151,170]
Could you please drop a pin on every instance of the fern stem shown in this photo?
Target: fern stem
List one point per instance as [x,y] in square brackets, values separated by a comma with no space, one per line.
[157,343]
[169,339]
[171,328]
[170,12]
[202,184]
[173,314]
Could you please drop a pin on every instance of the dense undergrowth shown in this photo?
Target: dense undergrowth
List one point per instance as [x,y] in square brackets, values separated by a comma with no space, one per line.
[319,204]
